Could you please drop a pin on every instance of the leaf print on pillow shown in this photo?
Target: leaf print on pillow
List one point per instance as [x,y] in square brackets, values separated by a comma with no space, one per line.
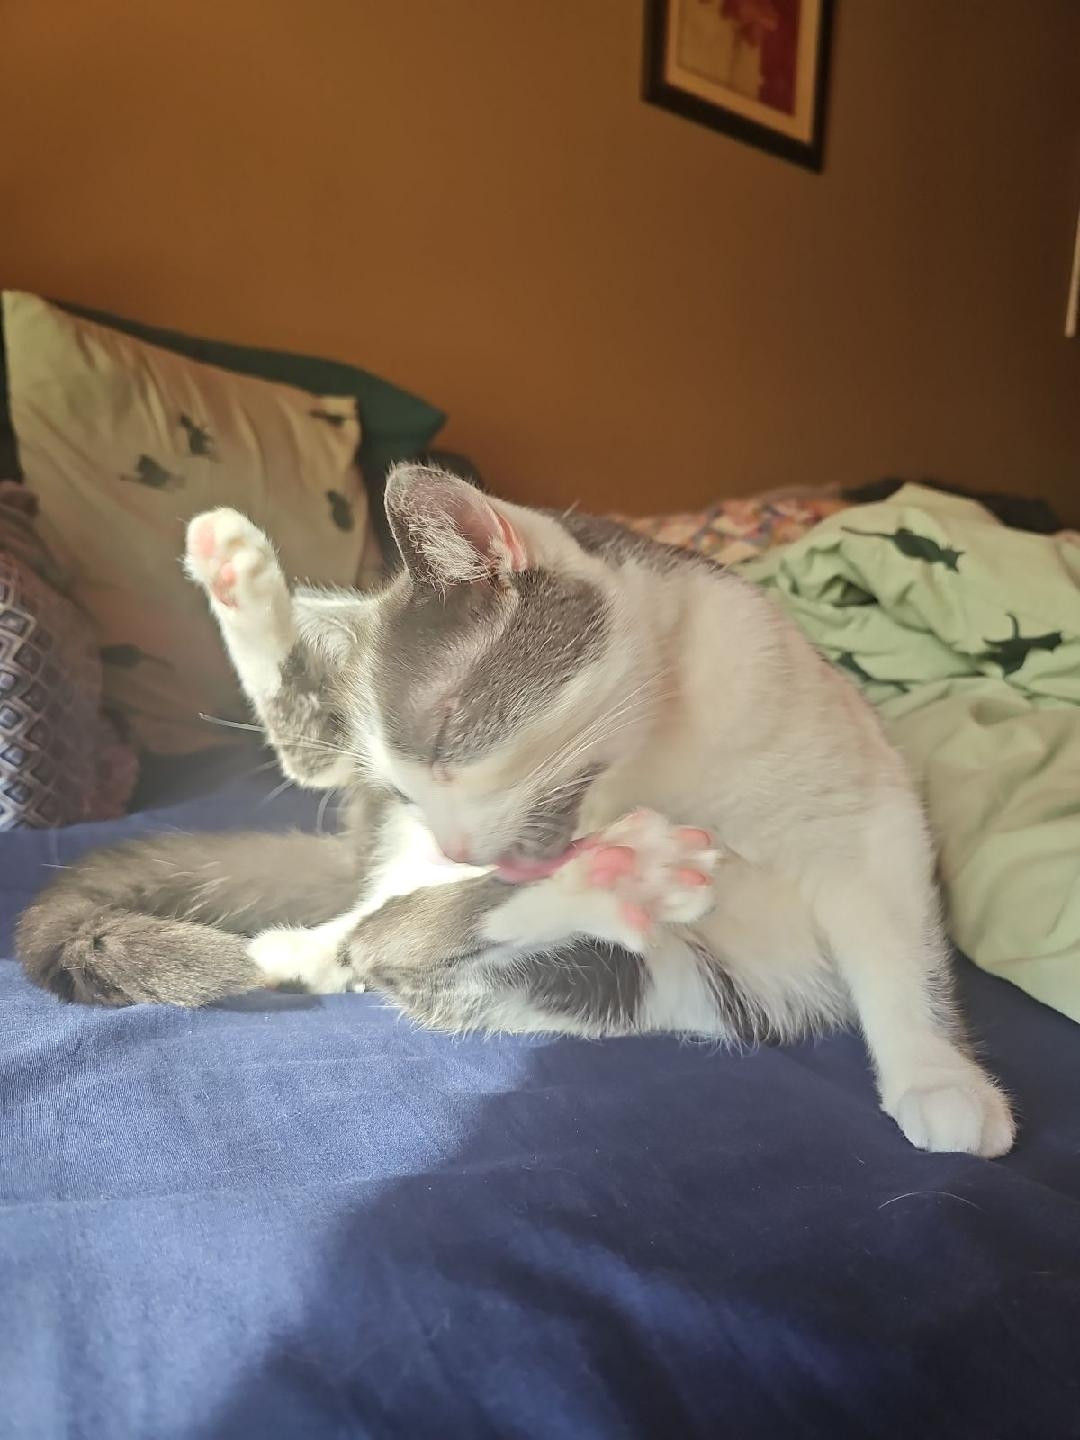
[199,440]
[341,511]
[154,476]
[127,657]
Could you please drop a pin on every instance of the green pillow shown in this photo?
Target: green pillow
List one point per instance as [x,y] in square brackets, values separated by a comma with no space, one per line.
[394,424]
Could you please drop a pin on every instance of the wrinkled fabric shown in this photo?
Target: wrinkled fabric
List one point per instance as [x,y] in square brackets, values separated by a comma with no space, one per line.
[61,760]
[289,1217]
[966,635]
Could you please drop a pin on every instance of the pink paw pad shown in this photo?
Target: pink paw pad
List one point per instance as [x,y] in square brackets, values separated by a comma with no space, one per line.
[609,863]
[201,538]
[224,584]
[659,873]
[636,916]
[233,560]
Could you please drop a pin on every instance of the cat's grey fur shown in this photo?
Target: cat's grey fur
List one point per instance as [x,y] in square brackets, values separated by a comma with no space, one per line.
[528,678]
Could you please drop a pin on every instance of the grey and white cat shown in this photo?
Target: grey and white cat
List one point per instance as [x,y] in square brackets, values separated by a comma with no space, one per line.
[598,786]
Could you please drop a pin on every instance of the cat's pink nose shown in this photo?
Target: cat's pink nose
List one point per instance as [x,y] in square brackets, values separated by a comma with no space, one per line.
[457,850]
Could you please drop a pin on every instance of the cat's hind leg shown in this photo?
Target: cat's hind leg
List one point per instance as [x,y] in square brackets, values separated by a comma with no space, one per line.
[167,918]
[571,952]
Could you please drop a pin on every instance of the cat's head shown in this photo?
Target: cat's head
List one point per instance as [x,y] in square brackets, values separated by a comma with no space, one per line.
[498,672]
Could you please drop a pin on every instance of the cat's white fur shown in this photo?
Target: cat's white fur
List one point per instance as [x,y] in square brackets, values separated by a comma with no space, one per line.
[710,709]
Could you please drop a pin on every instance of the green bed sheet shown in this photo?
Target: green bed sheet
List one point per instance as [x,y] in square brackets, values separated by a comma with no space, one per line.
[966,636]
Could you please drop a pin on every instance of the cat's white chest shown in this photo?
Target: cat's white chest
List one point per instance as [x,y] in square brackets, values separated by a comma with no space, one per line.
[413,861]
[619,792]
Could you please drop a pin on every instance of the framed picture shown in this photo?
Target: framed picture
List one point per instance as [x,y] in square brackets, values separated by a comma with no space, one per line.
[755,69]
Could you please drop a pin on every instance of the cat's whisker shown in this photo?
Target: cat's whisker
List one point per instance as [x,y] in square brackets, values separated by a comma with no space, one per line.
[277,790]
[232,724]
[309,742]
[319,818]
[554,758]
[623,703]
[601,730]
[628,714]
[594,731]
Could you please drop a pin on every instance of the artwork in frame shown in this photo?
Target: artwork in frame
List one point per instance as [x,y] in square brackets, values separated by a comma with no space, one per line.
[754,69]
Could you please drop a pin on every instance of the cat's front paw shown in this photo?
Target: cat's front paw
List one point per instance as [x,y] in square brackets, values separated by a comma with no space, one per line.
[292,958]
[964,1113]
[234,562]
[659,873]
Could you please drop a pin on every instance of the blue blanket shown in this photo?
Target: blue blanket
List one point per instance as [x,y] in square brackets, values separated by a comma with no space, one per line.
[296,1217]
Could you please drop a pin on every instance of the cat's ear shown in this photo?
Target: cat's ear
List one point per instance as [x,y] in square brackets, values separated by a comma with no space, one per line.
[447,532]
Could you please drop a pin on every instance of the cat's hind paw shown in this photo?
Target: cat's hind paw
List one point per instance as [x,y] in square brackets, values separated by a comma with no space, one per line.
[617,887]
[234,562]
[659,872]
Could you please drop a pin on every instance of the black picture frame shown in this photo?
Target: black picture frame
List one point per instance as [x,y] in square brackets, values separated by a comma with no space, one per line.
[657,90]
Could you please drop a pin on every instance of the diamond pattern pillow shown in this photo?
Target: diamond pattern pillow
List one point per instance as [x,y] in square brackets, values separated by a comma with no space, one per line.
[59,763]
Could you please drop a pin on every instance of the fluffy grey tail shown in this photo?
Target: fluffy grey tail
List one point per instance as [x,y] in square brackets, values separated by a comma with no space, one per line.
[167,918]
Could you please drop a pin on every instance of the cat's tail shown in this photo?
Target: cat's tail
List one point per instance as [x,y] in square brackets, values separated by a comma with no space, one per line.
[167,918]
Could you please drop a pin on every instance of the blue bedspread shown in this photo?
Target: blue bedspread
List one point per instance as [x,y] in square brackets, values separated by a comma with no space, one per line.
[298,1218]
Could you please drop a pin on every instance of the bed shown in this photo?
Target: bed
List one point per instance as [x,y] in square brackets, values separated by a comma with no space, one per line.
[291,1216]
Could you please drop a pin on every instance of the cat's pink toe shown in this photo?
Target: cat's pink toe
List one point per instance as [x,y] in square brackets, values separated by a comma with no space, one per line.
[609,863]
[224,584]
[201,538]
[659,873]
[636,916]
[691,877]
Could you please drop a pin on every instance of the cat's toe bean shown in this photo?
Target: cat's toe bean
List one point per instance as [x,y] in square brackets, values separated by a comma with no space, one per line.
[607,864]
[659,871]
[683,897]
[200,537]
[636,916]
[691,878]
[232,559]
[223,584]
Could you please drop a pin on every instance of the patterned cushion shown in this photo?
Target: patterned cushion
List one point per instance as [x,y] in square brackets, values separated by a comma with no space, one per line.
[734,530]
[122,443]
[59,763]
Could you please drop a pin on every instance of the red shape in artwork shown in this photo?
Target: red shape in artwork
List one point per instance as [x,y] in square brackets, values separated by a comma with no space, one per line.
[771,26]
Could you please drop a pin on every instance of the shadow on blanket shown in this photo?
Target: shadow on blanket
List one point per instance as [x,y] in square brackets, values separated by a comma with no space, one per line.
[641,1238]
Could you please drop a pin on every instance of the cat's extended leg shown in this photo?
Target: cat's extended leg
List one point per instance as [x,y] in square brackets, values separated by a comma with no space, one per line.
[882,928]
[167,918]
[582,950]
[281,645]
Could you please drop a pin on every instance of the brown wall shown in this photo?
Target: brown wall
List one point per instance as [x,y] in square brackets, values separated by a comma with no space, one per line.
[612,303]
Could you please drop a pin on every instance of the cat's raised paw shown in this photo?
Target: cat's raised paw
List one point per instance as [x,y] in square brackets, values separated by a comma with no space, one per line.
[660,873]
[233,561]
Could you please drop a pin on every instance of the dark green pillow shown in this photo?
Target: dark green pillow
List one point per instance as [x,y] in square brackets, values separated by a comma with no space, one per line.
[394,424]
